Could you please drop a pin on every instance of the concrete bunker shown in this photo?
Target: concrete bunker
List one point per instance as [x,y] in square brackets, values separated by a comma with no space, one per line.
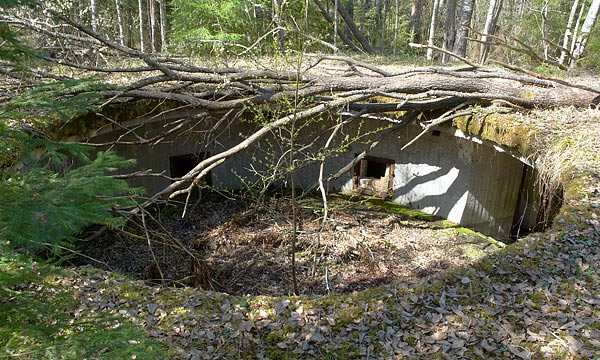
[467,180]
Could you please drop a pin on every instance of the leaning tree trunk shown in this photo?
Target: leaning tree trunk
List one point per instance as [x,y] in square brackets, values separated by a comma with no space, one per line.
[360,37]
[449,28]
[586,28]
[462,31]
[490,28]
[330,20]
[568,32]
[434,15]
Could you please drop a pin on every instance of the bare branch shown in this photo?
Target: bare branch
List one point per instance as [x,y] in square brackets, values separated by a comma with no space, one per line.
[463,59]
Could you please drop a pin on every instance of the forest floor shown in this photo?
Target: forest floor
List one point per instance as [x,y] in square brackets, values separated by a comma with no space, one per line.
[536,298]
[242,248]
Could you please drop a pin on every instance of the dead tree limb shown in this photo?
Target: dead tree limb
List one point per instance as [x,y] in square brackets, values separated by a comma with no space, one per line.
[198,171]
[404,122]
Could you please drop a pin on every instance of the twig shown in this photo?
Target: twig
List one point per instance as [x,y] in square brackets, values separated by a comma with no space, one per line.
[463,59]
[549,78]
[162,277]
[445,117]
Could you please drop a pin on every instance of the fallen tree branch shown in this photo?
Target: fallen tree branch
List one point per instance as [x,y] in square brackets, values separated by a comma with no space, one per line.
[197,172]
[449,115]
[406,120]
[463,59]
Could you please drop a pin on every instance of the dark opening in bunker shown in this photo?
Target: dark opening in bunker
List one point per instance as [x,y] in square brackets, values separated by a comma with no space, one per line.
[536,206]
[182,164]
[374,176]
[376,169]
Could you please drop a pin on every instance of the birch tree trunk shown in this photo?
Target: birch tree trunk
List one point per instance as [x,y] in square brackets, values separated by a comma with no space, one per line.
[94,14]
[577,25]
[586,28]
[462,32]
[152,25]
[568,31]
[141,17]
[336,4]
[449,28]
[163,24]
[491,20]
[545,44]
[434,14]
[120,22]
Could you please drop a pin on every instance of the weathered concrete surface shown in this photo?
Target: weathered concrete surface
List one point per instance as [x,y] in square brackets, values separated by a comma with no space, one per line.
[441,174]
[457,179]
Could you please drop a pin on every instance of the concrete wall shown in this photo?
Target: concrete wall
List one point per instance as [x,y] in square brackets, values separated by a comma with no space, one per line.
[444,175]
[457,179]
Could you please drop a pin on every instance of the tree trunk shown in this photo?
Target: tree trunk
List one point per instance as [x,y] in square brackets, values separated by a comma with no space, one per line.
[430,41]
[462,31]
[568,31]
[163,24]
[120,22]
[586,29]
[490,28]
[76,11]
[152,25]
[383,20]
[280,32]
[306,23]
[141,27]
[415,21]
[449,28]
[336,4]
[577,25]
[544,26]
[94,14]
[360,37]
[330,20]
[396,27]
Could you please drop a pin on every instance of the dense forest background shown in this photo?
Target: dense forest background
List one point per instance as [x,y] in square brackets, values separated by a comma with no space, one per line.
[556,32]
